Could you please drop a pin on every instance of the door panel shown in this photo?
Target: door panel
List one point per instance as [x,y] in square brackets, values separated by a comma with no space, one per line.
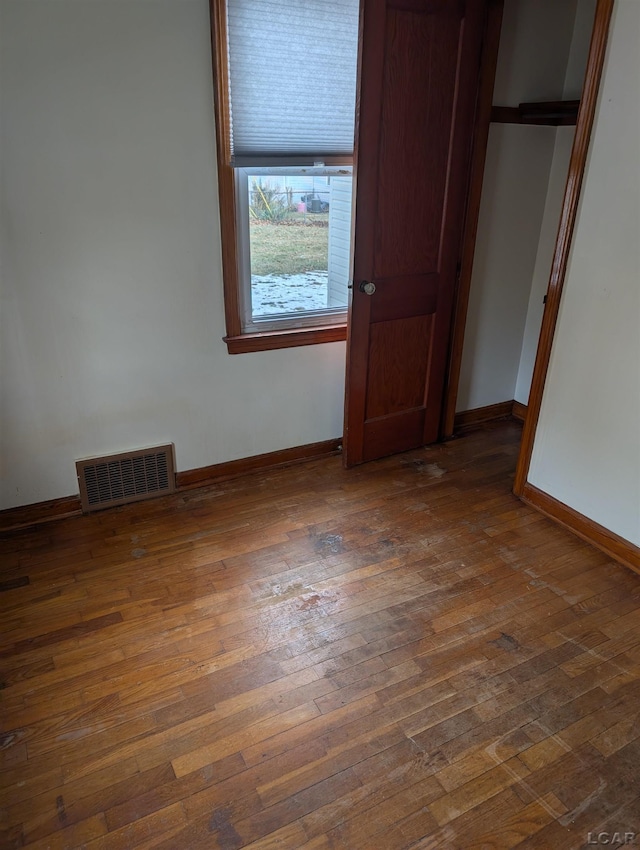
[391,387]
[403,297]
[382,436]
[420,52]
[418,76]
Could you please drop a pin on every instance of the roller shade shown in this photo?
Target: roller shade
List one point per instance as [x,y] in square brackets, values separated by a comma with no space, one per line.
[292,67]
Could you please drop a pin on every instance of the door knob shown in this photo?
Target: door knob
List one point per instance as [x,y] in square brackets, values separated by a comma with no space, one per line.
[367,287]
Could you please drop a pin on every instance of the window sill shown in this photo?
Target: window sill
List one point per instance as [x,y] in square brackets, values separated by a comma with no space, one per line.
[291,338]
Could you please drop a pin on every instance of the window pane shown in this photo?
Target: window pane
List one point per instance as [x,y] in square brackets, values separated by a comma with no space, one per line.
[292,69]
[299,231]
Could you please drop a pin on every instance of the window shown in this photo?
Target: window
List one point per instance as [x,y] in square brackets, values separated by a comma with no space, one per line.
[285,106]
[293,234]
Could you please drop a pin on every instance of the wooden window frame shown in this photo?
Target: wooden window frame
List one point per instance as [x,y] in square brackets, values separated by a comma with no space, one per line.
[239,342]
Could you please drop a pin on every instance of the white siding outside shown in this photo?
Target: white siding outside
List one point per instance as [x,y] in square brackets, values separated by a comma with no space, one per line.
[339,240]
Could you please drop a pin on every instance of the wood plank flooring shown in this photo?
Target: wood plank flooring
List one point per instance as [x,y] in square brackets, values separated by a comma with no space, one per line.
[398,657]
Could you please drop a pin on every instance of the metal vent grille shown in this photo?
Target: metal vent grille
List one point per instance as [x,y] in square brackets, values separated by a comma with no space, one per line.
[123,478]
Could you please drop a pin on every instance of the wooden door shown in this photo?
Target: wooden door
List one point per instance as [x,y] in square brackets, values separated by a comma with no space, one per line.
[419,71]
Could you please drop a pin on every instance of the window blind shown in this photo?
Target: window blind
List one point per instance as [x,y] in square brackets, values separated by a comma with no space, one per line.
[292,69]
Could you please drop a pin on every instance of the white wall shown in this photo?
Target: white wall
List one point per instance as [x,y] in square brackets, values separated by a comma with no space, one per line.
[581,39]
[544,257]
[572,90]
[513,198]
[112,309]
[587,447]
[535,48]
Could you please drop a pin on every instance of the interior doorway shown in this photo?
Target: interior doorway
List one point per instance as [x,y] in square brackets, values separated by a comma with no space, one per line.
[508,258]
[518,192]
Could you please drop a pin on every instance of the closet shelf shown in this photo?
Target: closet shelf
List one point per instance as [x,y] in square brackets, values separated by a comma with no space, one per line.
[552,112]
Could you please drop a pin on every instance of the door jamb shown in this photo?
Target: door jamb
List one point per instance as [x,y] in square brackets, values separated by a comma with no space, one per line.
[484,104]
[577,165]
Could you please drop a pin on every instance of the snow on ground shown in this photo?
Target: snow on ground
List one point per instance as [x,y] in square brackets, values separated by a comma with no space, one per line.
[288,293]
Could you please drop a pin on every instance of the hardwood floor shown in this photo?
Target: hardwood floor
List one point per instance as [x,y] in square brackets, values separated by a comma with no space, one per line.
[401,655]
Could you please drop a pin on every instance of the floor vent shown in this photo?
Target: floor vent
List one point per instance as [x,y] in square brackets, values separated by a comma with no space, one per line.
[123,478]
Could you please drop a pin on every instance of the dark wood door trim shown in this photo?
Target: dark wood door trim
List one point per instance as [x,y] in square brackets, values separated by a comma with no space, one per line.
[586,114]
[484,101]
